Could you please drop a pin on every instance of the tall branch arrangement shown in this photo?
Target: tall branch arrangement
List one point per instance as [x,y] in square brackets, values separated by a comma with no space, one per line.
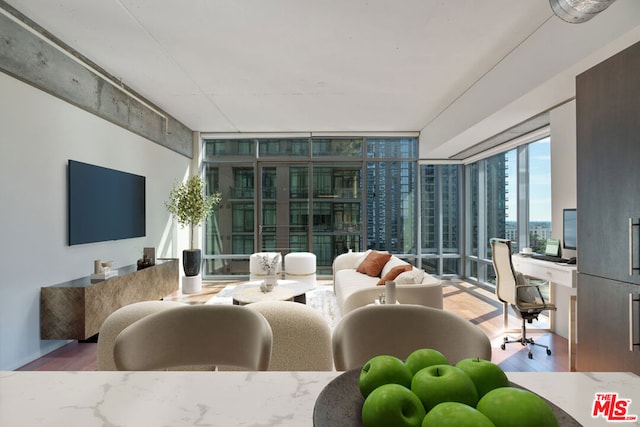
[269,264]
[189,204]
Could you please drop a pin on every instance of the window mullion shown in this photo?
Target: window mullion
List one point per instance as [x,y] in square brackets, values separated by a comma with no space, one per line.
[523,197]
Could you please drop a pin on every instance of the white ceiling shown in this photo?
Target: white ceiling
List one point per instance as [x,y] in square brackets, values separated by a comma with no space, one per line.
[292,65]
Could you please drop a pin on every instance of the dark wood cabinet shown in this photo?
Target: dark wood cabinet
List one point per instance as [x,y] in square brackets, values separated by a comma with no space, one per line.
[608,167]
[606,324]
[608,160]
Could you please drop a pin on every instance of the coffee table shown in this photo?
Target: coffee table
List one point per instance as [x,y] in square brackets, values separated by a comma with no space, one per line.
[283,291]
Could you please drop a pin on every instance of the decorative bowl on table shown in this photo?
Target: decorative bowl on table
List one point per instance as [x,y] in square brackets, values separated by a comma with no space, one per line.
[340,404]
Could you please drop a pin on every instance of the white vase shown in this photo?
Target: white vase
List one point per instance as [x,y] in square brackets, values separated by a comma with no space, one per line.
[269,282]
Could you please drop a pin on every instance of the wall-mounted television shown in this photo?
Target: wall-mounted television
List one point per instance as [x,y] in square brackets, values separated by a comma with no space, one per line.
[569,229]
[104,204]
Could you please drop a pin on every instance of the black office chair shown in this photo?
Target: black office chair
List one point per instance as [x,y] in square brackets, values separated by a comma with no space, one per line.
[513,288]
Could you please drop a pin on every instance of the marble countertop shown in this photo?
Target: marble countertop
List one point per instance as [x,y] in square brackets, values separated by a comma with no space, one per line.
[108,398]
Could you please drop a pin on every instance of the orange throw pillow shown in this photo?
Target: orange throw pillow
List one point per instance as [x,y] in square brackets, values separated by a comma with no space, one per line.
[394,272]
[373,263]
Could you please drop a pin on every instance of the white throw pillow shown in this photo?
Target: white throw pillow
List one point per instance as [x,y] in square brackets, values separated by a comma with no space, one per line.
[361,258]
[412,277]
[393,262]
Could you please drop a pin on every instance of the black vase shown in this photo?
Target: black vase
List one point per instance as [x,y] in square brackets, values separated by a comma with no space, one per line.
[191,261]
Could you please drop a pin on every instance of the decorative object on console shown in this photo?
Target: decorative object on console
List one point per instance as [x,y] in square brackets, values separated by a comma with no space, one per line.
[102,271]
[144,262]
[189,204]
[151,254]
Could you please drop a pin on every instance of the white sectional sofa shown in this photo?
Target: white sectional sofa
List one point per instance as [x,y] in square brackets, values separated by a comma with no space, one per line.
[354,288]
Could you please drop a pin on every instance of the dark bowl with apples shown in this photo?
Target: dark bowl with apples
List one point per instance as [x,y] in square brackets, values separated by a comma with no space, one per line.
[340,404]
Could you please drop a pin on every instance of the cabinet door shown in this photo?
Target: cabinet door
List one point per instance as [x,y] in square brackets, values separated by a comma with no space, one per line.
[604,325]
[608,165]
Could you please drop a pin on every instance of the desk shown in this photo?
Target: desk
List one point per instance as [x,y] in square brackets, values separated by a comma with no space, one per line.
[563,283]
[98,398]
[557,273]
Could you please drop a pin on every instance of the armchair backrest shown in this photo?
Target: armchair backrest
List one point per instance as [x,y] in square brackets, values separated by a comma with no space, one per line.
[399,329]
[505,274]
[193,336]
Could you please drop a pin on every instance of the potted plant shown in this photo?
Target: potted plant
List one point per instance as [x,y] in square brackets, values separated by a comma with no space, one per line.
[189,204]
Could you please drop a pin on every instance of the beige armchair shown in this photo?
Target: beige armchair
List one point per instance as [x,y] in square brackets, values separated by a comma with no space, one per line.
[192,336]
[119,320]
[400,329]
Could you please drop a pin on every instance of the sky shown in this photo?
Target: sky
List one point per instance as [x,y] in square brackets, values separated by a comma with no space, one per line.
[539,182]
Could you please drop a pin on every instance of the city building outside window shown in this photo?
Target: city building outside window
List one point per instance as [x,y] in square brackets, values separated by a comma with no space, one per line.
[508,196]
[326,195]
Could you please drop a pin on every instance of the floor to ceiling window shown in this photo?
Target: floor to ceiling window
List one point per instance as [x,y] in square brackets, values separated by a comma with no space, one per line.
[329,195]
[508,195]
[540,226]
[391,195]
[440,219]
[325,195]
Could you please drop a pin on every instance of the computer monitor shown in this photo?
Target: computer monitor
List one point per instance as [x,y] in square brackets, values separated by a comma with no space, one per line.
[570,229]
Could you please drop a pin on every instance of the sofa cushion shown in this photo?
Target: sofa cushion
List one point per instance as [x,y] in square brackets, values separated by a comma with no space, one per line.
[411,277]
[394,272]
[394,261]
[373,263]
[349,281]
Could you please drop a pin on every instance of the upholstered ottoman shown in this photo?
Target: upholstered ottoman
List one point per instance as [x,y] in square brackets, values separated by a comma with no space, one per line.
[255,267]
[301,267]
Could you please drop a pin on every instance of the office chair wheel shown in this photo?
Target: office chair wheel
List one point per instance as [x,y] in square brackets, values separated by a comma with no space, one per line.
[530,355]
[503,346]
[548,352]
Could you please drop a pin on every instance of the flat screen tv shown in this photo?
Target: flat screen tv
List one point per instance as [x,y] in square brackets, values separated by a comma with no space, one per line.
[104,204]
[570,229]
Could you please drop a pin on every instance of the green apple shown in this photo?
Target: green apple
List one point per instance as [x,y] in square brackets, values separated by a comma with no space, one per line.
[392,405]
[443,383]
[423,358]
[455,414]
[510,406]
[383,369]
[484,374]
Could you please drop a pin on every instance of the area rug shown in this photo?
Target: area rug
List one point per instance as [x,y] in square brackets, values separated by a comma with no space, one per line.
[320,298]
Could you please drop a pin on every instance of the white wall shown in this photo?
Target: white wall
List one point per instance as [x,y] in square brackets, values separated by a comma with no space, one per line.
[563,193]
[38,135]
